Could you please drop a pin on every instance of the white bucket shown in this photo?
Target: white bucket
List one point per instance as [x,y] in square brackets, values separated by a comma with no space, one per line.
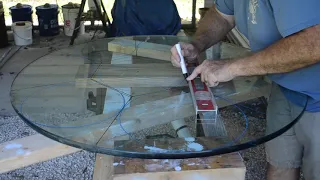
[70,15]
[22,33]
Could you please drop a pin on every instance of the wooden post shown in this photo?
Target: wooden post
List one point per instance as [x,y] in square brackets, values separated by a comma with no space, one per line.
[103,169]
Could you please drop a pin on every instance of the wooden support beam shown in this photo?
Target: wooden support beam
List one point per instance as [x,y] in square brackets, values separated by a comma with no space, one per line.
[133,118]
[30,150]
[161,111]
[103,169]
[140,48]
[132,75]
[225,167]
[104,165]
[217,174]
[138,117]
[162,52]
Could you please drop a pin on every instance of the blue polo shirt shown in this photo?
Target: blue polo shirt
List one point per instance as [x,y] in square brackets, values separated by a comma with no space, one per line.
[264,22]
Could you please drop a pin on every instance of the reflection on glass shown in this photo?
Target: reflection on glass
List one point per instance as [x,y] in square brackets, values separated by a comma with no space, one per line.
[122,95]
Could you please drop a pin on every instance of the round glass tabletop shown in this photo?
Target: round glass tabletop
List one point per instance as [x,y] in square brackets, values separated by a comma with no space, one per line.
[122,97]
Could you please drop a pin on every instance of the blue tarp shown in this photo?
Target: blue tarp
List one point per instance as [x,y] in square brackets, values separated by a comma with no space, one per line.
[145,17]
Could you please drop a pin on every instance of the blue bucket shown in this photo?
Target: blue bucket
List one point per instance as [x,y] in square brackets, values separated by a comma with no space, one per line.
[21,12]
[48,19]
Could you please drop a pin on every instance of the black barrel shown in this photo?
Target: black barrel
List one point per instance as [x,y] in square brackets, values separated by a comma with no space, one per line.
[3,30]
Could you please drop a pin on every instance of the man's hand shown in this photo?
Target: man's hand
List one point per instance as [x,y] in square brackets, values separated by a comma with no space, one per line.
[188,51]
[213,72]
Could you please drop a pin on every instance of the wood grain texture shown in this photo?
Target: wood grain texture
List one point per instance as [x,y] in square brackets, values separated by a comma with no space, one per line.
[125,82]
[30,150]
[228,166]
[151,110]
[103,169]
[153,105]
[216,174]
[151,114]
[140,48]
[132,75]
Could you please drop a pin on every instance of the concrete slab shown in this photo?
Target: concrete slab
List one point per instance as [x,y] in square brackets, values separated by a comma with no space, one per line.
[6,80]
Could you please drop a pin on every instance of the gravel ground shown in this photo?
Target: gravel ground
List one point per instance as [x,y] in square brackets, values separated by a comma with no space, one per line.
[77,166]
[80,165]
[254,158]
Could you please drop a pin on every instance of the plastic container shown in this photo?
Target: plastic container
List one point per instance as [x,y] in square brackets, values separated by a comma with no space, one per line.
[21,12]
[22,33]
[70,14]
[48,19]
[3,29]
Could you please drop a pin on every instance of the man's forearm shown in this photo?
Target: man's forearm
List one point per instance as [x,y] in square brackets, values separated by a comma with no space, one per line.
[212,28]
[288,54]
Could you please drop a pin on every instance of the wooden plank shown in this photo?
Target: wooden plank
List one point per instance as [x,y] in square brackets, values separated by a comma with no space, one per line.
[140,48]
[216,174]
[124,82]
[138,117]
[41,70]
[104,164]
[214,167]
[30,150]
[135,118]
[132,75]
[162,52]
[103,168]
[136,70]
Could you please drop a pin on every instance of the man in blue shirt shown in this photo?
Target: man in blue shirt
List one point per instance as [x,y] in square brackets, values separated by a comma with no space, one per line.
[285,38]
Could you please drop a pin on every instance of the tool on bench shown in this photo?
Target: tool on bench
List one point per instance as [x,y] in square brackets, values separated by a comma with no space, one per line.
[204,102]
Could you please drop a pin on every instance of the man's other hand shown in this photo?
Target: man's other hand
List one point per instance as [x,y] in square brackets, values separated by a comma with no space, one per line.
[188,51]
[213,72]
